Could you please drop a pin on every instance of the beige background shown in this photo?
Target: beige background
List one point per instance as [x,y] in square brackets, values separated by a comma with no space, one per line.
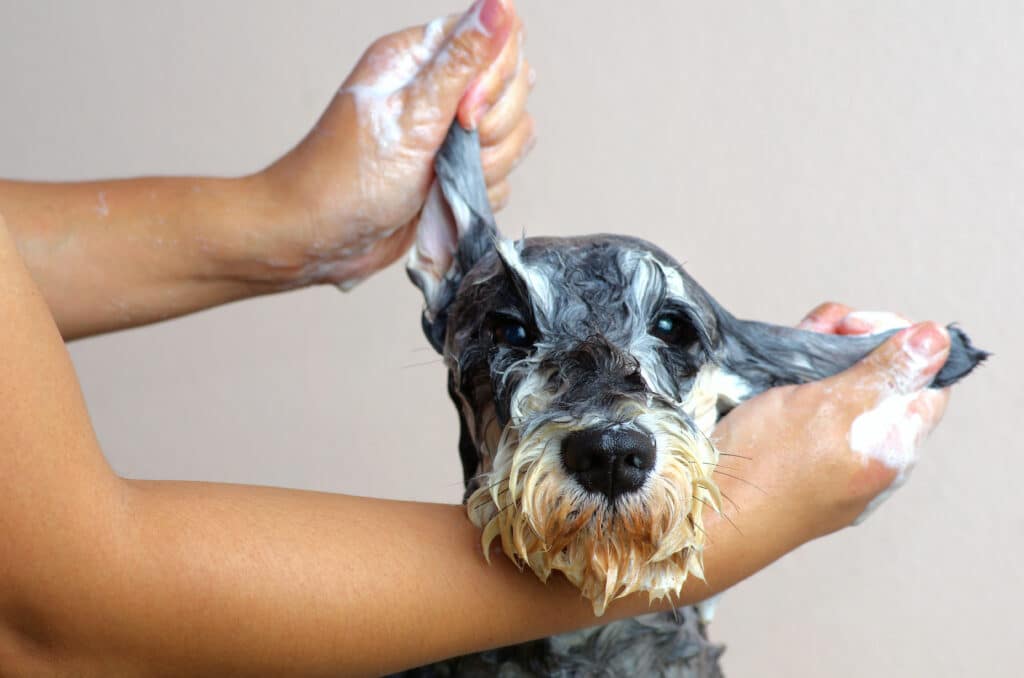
[790,152]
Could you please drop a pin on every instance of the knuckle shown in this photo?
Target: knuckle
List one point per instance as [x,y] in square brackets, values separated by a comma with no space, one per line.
[381,44]
[464,50]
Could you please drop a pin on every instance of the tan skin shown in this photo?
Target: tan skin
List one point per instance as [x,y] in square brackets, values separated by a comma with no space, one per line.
[101,575]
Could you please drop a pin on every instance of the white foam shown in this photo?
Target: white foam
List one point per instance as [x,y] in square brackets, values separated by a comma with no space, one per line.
[102,208]
[376,99]
[880,321]
[471,22]
[891,433]
[888,433]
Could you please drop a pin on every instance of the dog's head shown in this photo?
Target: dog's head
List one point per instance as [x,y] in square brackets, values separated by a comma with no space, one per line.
[588,373]
[583,373]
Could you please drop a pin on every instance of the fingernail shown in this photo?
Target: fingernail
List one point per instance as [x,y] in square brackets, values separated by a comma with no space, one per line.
[853,325]
[472,20]
[492,15]
[925,341]
[921,345]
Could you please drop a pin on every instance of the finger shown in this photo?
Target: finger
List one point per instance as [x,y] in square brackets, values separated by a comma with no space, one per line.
[906,363]
[474,43]
[871,322]
[824,317]
[499,160]
[499,121]
[485,90]
[498,195]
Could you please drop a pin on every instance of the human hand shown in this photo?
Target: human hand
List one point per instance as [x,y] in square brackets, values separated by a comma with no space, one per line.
[818,457]
[353,188]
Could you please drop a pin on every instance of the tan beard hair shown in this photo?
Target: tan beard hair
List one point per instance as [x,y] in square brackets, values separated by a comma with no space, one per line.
[649,541]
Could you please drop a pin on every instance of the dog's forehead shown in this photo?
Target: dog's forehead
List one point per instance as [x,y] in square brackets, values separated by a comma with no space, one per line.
[603,271]
[605,283]
[580,263]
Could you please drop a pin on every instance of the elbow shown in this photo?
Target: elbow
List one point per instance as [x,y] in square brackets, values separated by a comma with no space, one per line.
[56,566]
[28,646]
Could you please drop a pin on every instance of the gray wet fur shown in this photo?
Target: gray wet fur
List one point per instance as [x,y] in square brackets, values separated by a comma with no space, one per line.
[594,310]
[673,645]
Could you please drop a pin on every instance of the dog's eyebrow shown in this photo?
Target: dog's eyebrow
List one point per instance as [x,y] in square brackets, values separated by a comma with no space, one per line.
[532,285]
[509,312]
[652,283]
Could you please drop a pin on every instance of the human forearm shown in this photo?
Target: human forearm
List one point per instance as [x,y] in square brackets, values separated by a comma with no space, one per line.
[114,254]
[205,579]
[335,209]
[102,576]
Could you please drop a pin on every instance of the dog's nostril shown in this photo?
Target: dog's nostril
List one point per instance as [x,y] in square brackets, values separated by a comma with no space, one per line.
[636,461]
[612,461]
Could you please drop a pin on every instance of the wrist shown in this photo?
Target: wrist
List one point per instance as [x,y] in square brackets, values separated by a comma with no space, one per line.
[254,233]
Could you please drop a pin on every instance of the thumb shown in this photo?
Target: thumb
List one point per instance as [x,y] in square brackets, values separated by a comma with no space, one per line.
[906,363]
[892,409]
[474,43]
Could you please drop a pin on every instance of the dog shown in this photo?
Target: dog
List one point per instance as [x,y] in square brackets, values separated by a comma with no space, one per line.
[588,374]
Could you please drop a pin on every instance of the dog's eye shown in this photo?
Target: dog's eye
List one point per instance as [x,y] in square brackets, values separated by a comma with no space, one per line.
[674,329]
[512,333]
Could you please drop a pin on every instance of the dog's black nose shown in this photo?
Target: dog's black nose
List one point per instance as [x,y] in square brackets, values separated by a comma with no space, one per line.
[612,461]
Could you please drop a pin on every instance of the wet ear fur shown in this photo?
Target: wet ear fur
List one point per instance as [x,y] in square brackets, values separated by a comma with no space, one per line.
[456,228]
[765,355]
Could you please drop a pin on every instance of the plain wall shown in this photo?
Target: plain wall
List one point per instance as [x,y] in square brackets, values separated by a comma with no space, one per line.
[787,152]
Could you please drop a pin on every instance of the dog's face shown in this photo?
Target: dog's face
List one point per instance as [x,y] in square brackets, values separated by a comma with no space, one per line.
[585,376]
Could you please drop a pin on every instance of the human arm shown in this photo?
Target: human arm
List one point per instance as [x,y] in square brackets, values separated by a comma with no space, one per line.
[101,575]
[334,209]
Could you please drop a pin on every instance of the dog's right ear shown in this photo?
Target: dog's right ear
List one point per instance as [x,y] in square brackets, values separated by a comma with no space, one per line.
[456,228]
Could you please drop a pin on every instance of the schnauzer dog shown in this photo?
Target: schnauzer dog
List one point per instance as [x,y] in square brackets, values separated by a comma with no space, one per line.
[588,374]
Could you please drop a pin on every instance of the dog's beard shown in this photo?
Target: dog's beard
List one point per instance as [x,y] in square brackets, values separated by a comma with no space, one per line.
[649,540]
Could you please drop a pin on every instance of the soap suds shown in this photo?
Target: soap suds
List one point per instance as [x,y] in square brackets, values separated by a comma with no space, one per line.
[891,433]
[376,99]
[101,204]
[880,321]
[472,22]
[905,412]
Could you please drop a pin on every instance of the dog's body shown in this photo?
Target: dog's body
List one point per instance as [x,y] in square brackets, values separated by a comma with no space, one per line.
[588,374]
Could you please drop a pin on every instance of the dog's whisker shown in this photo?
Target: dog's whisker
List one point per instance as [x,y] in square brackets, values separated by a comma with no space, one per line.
[721,513]
[742,480]
[728,499]
[700,529]
[716,464]
[423,364]
[494,485]
[726,454]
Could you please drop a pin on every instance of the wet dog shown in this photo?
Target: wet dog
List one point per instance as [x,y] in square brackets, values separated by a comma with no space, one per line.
[588,374]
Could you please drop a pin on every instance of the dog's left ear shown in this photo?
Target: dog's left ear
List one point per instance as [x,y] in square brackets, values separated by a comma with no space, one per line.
[765,355]
[456,228]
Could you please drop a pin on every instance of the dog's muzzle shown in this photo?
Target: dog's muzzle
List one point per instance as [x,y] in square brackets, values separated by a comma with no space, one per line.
[612,498]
